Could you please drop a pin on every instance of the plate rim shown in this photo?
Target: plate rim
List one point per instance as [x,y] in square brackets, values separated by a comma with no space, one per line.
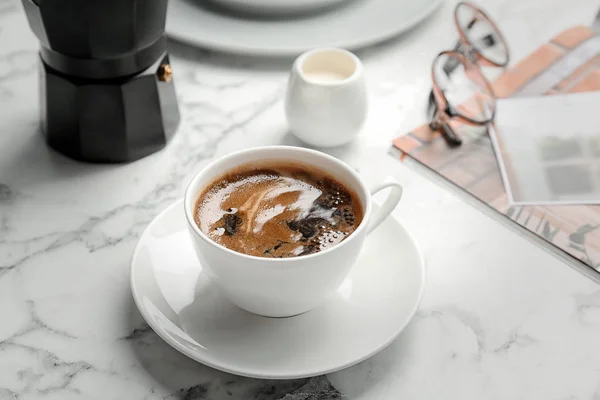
[209,44]
[249,374]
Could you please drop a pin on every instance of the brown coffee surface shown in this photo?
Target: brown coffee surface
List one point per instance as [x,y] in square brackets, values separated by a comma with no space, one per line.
[278,210]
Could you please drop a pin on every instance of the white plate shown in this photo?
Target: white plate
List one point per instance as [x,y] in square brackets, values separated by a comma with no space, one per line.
[357,24]
[276,7]
[371,308]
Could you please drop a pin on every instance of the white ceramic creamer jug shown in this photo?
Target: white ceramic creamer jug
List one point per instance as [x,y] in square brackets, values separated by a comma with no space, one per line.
[326,100]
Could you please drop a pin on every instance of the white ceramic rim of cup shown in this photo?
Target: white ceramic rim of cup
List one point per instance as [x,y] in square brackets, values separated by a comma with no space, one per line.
[299,66]
[189,202]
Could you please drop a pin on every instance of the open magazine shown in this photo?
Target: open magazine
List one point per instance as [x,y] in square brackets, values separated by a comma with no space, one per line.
[569,63]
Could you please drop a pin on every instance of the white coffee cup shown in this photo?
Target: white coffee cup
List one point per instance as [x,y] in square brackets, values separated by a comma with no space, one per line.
[281,287]
[326,101]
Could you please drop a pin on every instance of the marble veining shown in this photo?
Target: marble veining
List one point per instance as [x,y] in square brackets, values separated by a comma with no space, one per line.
[500,319]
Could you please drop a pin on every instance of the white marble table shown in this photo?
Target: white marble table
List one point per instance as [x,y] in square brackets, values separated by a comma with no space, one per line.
[501,318]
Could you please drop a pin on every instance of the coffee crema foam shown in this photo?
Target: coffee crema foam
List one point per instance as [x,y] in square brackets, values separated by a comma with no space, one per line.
[277,210]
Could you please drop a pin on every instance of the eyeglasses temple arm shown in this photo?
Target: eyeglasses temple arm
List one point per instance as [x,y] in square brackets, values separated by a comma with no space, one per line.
[450,136]
[596,23]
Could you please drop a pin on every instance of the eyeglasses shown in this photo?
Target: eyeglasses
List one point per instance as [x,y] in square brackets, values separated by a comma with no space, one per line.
[460,90]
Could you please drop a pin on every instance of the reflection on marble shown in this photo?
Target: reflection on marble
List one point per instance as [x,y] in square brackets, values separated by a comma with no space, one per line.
[500,319]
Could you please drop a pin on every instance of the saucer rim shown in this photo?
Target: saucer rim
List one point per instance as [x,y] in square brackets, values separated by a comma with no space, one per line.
[292,51]
[258,374]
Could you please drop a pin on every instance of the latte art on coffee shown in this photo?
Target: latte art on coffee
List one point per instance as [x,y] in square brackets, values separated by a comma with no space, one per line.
[278,211]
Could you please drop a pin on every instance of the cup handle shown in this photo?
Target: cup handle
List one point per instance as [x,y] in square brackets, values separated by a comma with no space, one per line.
[388,205]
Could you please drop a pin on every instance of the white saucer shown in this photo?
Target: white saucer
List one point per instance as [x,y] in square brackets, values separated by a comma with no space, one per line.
[374,304]
[357,24]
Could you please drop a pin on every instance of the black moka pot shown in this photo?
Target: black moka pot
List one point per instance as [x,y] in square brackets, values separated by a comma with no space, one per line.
[106,86]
